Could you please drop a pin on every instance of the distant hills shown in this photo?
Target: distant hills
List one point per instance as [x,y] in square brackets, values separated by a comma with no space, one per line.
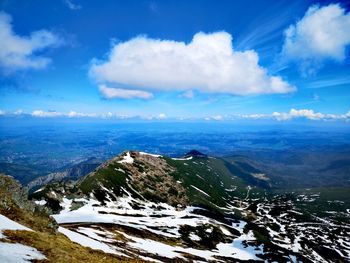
[72,173]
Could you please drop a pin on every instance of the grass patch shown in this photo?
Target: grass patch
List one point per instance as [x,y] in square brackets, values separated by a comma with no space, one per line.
[59,249]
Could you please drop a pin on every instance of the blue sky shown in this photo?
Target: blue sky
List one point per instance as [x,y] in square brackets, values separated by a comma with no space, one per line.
[175,59]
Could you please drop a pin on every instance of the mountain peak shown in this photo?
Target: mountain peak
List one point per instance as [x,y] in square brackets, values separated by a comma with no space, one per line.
[195,153]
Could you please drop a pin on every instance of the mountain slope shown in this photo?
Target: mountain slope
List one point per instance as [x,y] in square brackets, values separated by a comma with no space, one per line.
[196,208]
[28,233]
[192,180]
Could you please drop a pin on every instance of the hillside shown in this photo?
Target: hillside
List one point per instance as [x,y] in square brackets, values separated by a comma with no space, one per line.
[197,208]
[191,180]
[28,233]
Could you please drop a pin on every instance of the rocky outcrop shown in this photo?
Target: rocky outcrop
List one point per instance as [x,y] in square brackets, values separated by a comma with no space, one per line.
[15,205]
[73,173]
[151,177]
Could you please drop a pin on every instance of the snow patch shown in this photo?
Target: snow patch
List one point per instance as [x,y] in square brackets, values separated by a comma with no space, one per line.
[86,241]
[8,224]
[18,253]
[200,190]
[183,159]
[127,158]
[41,202]
[153,155]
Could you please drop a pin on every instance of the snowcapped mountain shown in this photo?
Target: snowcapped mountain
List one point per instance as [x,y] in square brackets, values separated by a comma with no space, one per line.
[141,206]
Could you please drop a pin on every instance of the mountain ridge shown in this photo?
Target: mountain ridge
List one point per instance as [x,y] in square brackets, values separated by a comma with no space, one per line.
[196,208]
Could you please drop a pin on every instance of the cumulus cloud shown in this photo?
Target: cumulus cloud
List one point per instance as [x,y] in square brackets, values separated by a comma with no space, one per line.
[71,114]
[208,63]
[296,114]
[45,114]
[74,114]
[303,113]
[254,116]
[20,52]
[322,34]
[279,116]
[113,93]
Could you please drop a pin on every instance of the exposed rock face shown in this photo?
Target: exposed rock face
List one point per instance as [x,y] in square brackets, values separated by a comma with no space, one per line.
[15,205]
[142,175]
[73,173]
[52,177]
[12,193]
[151,178]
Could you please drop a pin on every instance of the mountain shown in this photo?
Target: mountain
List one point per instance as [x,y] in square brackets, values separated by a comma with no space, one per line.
[191,180]
[22,172]
[71,173]
[149,207]
[194,153]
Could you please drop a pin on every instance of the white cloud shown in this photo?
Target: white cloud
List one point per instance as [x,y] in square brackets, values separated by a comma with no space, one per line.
[279,116]
[113,93]
[217,118]
[74,114]
[162,116]
[322,34]
[20,52]
[71,5]
[254,116]
[45,114]
[71,114]
[208,63]
[107,115]
[297,114]
[303,113]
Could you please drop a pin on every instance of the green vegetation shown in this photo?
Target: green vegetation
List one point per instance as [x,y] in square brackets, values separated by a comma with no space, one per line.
[208,236]
[109,176]
[201,181]
[213,176]
[325,202]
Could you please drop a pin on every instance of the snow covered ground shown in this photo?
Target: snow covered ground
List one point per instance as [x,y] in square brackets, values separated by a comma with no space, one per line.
[88,242]
[160,219]
[127,158]
[17,253]
[8,224]
[13,252]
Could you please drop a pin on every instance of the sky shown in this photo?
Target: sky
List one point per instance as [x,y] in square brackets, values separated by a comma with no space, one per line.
[210,60]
